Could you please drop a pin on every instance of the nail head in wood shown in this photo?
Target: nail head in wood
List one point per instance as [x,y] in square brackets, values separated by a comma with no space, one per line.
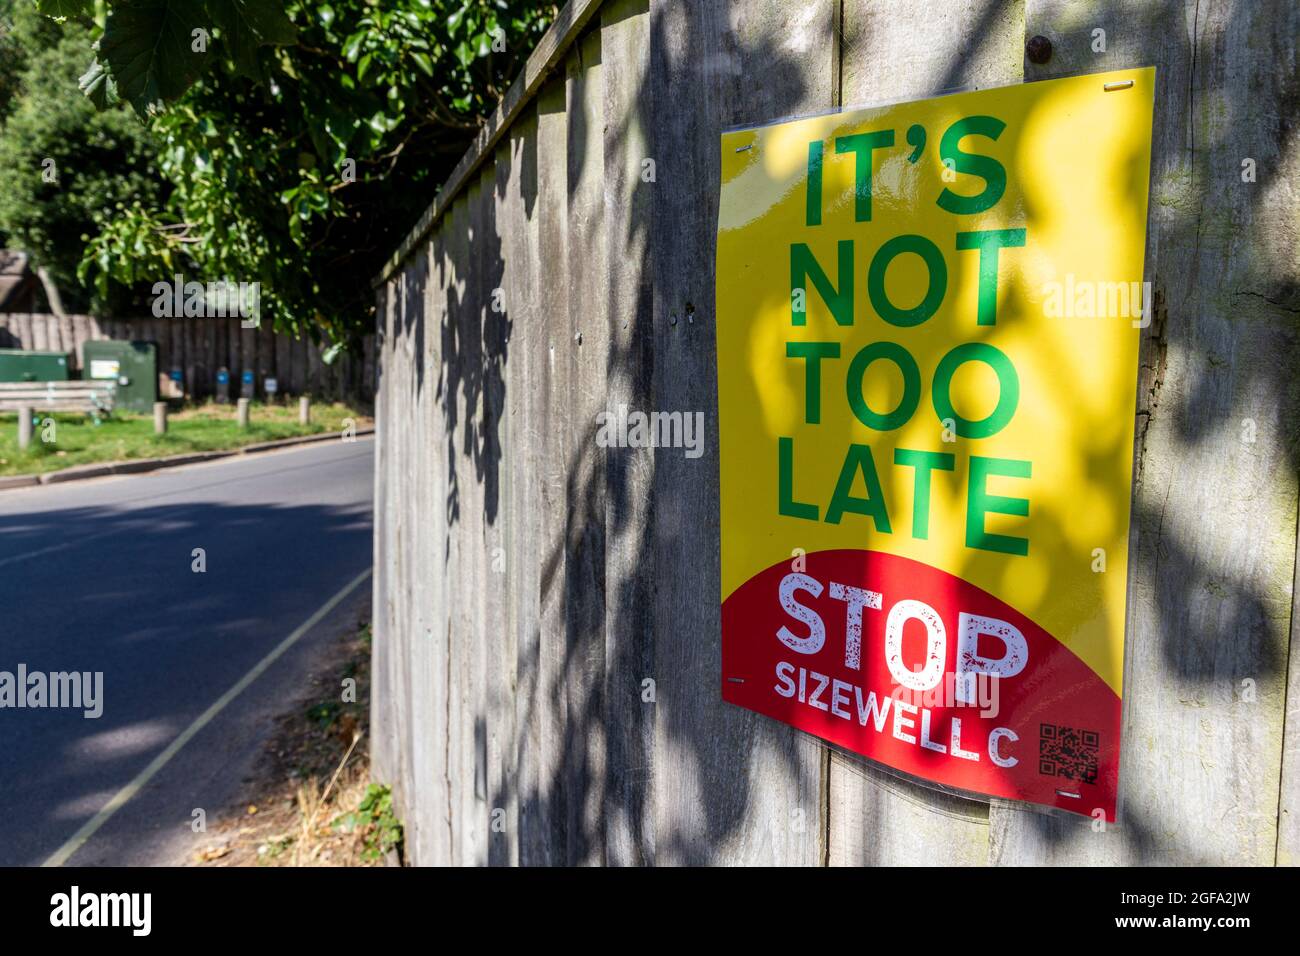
[1038,49]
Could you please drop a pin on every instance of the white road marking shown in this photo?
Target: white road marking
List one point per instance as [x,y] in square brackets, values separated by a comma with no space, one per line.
[123,796]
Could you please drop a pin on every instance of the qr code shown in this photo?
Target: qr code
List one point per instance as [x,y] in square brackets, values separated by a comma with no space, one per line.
[1069,753]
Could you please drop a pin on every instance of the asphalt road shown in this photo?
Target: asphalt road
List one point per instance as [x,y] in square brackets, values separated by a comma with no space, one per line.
[98,576]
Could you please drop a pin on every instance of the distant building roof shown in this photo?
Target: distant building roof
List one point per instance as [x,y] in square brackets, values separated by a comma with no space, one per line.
[13,262]
[19,286]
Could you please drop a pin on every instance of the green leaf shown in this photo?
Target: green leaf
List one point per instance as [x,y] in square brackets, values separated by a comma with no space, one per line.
[353,46]
[247,25]
[99,86]
[423,62]
[464,53]
[63,8]
[147,47]
[454,21]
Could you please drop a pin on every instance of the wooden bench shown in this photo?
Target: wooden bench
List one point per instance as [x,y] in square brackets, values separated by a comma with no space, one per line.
[94,398]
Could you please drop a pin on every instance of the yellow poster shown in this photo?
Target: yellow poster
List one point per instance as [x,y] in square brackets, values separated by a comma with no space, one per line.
[928,326]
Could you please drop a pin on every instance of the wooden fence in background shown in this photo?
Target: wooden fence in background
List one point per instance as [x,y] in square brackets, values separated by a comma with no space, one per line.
[198,347]
[528,583]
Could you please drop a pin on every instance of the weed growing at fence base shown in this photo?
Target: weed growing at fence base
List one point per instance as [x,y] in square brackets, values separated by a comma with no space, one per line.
[211,427]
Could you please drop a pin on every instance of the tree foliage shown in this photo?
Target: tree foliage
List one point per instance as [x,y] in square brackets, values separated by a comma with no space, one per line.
[64,167]
[297,142]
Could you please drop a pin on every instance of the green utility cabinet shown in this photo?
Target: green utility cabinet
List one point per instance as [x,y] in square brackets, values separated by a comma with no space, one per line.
[133,365]
[17,365]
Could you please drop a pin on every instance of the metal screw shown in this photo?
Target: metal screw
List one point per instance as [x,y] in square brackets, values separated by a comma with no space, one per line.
[1039,49]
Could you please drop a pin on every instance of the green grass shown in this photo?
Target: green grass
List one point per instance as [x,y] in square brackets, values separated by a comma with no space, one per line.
[79,441]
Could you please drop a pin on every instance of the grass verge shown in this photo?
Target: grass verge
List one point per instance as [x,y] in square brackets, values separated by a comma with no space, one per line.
[61,441]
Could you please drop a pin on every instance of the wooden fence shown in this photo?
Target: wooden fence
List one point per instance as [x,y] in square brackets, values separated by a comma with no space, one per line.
[528,583]
[199,347]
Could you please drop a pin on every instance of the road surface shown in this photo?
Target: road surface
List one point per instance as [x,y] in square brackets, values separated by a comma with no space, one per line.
[98,576]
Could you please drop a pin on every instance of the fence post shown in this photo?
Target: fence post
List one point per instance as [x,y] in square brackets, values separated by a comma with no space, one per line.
[24,427]
[243,412]
[160,418]
[304,410]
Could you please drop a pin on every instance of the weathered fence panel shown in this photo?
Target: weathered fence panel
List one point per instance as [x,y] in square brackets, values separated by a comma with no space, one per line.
[629,472]
[547,621]
[198,347]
